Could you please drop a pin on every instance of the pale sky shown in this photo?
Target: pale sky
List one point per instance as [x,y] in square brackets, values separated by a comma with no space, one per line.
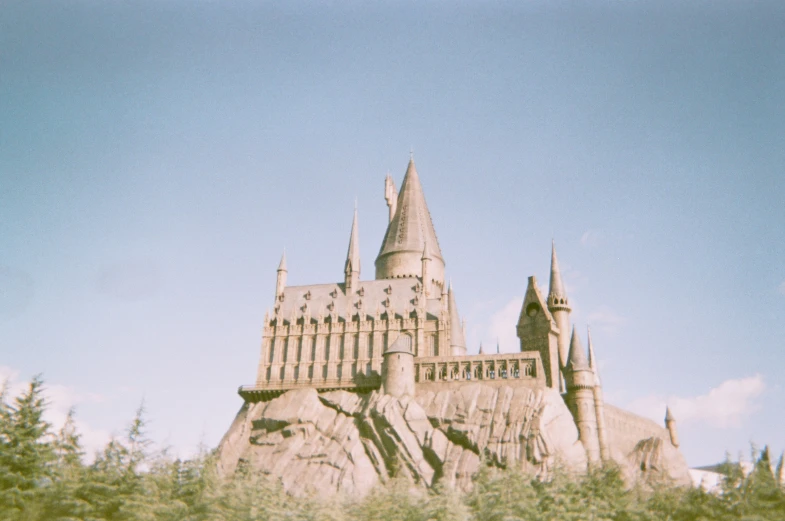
[156,158]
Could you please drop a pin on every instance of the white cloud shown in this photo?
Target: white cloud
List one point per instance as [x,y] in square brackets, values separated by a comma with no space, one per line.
[724,406]
[591,238]
[60,399]
[606,320]
[502,326]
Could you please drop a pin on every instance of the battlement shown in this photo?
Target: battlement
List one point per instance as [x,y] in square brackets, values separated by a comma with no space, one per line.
[508,367]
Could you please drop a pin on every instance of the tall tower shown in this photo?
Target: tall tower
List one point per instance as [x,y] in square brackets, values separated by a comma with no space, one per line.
[280,280]
[351,268]
[580,397]
[457,337]
[537,332]
[559,306]
[407,232]
[670,424]
[599,403]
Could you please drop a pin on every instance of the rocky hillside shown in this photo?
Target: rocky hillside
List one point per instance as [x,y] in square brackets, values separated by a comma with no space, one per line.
[345,442]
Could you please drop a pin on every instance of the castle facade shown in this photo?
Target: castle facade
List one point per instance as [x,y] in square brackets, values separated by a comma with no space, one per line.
[401,332]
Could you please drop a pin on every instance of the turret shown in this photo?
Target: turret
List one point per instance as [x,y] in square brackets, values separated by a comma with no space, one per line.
[457,337]
[599,403]
[559,306]
[351,268]
[580,397]
[390,195]
[426,274]
[407,233]
[670,424]
[398,368]
[537,332]
[280,280]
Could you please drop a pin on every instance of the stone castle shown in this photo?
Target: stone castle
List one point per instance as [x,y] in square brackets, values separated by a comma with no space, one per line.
[399,339]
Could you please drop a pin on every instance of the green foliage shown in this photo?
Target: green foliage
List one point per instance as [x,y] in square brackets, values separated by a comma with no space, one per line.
[43,476]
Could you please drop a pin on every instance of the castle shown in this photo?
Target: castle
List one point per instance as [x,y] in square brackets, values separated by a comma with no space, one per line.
[402,333]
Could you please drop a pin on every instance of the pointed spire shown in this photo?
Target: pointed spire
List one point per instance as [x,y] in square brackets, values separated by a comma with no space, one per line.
[557,296]
[426,251]
[592,358]
[353,253]
[282,264]
[576,360]
[497,346]
[408,233]
[457,337]
[482,351]
[668,415]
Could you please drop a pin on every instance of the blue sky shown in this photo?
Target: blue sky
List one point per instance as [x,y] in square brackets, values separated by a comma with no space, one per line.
[156,158]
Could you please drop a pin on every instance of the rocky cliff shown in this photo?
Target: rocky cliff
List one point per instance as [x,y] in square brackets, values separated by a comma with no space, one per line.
[341,441]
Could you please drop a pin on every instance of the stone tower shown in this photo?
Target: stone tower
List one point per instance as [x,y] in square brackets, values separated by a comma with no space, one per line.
[537,332]
[670,424]
[580,397]
[398,368]
[559,306]
[409,229]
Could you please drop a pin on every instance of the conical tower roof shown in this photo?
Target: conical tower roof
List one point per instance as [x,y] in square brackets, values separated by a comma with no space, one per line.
[457,339]
[353,254]
[668,415]
[556,285]
[592,358]
[407,234]
[576,360]
[282,264]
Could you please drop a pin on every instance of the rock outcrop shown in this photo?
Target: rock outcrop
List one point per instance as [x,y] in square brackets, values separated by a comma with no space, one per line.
[345,442]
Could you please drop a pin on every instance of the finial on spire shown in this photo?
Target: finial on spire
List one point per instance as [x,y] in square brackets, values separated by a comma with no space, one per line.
[411,153]
[497,346]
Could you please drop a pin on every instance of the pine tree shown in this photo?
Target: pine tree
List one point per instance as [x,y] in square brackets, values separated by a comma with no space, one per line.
[26,451]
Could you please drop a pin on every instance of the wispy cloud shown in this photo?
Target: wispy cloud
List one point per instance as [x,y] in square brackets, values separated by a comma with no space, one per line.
[606,320]
[502,326]
[724,406]
[592,238]
[60,399]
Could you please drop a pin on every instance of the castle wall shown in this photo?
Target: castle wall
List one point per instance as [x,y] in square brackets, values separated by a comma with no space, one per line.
[323,353]
[626,429]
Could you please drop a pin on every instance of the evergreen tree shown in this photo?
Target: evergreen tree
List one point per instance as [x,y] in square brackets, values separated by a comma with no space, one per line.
[26,451]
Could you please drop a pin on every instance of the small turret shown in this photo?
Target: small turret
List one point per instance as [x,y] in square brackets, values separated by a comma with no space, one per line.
[426,275]
[580,397]
[559,306]
[390,195]
[670,424]
[280,281]
[457,337]
[398,368]
[599,403]
[351,268]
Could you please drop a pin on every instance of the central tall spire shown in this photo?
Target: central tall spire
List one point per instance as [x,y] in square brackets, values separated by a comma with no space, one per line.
[410,229]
